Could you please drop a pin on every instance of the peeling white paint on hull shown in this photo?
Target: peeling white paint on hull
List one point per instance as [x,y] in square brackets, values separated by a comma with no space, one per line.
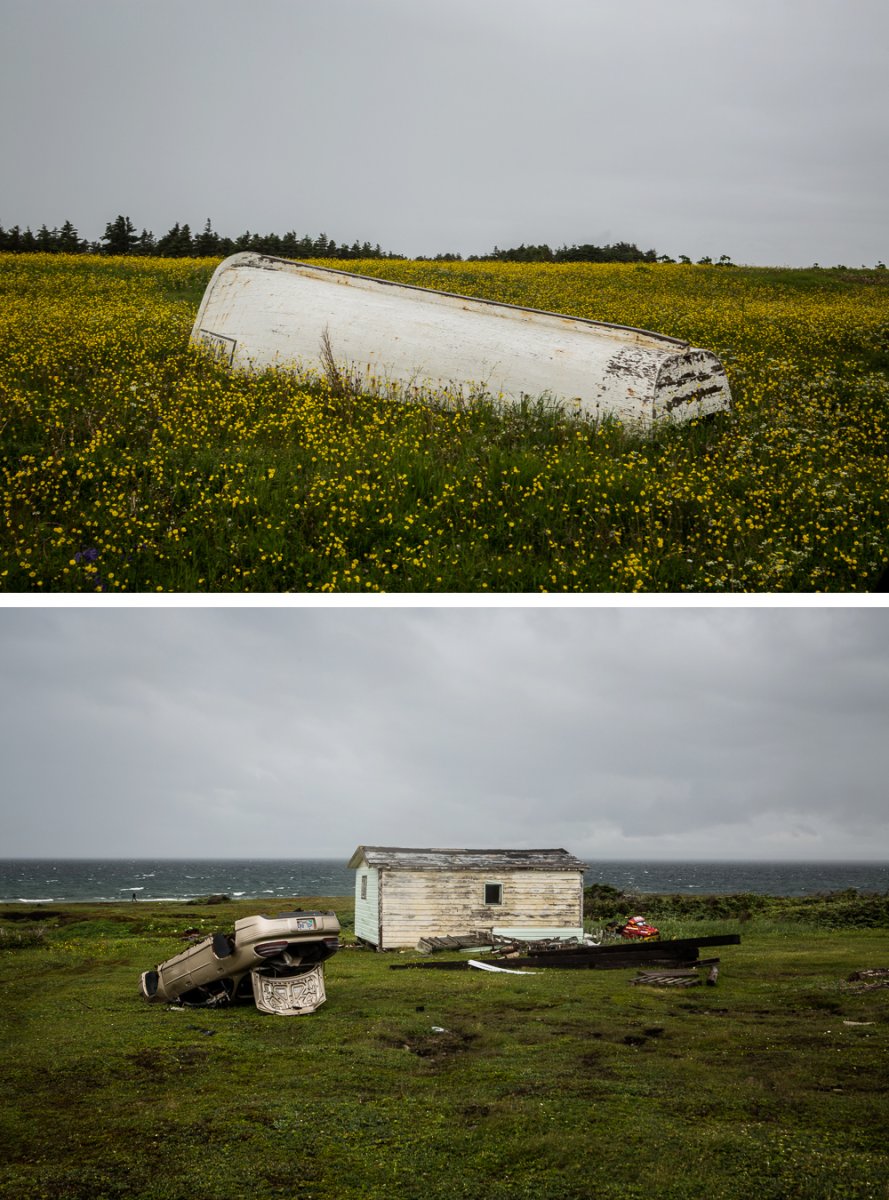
[260,312]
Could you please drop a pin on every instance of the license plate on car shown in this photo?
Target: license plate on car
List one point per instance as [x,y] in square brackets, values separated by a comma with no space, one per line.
[305,923]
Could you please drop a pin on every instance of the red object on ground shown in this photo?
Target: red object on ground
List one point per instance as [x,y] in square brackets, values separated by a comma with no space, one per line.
[637,929]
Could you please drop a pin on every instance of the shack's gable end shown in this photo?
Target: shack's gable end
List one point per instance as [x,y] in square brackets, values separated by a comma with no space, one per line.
[441,903]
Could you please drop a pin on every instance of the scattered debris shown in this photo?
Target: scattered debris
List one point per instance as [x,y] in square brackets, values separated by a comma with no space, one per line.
[466,941]
[507,946]
[869,979]
[687,978]
[482,940]
[677,953]
[682,977]
[481,966]
[447,965]
[637,930]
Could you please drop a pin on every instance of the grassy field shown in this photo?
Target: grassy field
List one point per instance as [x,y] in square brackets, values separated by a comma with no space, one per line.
[129,462]
[562,1084]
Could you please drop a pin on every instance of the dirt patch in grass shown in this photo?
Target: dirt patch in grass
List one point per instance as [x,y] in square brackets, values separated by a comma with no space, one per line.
[597,1062]
[432,1045]
[70,1085]
[163,1063]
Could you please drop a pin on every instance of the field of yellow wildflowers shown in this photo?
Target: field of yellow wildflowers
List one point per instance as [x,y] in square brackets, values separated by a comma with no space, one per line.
[130,462]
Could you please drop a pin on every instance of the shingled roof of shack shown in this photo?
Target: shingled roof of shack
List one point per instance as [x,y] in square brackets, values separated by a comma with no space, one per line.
[401,858]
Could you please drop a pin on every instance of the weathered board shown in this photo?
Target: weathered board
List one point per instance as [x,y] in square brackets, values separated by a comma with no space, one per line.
[397,340]
[669,953]
[427,945]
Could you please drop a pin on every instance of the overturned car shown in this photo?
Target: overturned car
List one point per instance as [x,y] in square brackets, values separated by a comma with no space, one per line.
[275,961]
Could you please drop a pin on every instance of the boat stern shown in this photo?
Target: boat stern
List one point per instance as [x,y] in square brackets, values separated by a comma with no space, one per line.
[691,384]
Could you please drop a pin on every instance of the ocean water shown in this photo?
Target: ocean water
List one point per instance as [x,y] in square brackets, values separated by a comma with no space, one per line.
[63,879]
[57,880]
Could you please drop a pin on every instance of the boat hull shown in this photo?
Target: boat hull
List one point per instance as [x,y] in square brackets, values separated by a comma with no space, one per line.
[406,342]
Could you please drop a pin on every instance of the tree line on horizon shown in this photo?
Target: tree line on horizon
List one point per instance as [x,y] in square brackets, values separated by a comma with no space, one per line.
[121,238]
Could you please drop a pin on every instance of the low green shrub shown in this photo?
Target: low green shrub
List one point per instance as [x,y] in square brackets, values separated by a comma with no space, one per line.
[22,938]
[828,910]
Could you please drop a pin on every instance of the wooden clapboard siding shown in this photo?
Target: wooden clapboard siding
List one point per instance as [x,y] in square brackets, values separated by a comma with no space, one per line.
[367,911]
[442,903]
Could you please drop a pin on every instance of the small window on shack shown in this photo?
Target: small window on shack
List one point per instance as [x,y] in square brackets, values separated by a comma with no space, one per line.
[493,893]
[363,887]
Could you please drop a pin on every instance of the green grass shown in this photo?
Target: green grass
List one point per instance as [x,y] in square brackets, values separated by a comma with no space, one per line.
[560,1084]
[130,463]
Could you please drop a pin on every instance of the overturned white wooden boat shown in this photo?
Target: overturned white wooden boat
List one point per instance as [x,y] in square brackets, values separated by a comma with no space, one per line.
[395,339]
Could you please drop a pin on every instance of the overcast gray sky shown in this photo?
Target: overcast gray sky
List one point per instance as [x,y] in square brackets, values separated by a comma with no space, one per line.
[754,129]
[616,733]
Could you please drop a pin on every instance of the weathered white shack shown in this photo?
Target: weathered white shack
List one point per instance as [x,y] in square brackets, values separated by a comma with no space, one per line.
[402,895]
[396,339]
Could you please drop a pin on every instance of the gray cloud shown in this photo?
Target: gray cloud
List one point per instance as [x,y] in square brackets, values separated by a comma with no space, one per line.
[701,126]
[719,733]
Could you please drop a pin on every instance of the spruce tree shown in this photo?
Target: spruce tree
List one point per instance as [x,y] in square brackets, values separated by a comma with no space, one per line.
[206,244]
[68,240]
[119,236]
[166,245]
[183,246]
[145,243]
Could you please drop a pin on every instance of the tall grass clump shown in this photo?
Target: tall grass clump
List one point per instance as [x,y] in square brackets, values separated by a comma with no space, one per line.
[22,937]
